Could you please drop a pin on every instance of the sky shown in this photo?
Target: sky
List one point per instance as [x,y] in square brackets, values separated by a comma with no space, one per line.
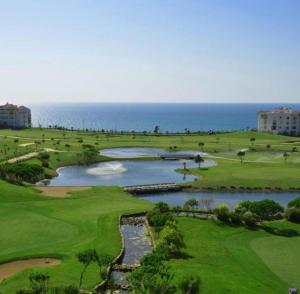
[149,51]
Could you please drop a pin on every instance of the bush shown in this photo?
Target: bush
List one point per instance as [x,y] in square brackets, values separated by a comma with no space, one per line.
[249,219]
[235,218]
[293,214]
[44,156]
[222,212]
[294,203]
[158,219]
[265,208]
[190,285]
[170,241]
[161,207]
[191,204]
[18,172]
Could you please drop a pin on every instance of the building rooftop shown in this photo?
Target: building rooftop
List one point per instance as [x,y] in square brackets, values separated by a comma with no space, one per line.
[12,106]
[280,110]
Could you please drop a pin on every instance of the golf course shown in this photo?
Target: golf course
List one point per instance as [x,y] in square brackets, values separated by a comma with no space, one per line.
[58,223]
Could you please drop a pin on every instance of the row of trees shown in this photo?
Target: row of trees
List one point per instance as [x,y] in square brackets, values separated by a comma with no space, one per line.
[250,212]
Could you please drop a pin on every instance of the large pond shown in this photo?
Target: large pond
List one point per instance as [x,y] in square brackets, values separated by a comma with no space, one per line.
[136,152]
[231,198]
[125,173]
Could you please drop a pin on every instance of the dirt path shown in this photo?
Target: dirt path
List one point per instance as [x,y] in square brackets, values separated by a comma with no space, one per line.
[233,159]
[23,157]
[10,268]
[63,191]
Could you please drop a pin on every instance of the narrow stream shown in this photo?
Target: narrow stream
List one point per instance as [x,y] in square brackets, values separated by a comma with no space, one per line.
[136,242]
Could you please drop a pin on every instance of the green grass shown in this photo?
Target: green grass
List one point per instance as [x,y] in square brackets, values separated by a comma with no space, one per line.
[33,225]
[237,260]
[263,167]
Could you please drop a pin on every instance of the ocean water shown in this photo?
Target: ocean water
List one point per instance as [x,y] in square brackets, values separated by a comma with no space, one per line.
[145,116]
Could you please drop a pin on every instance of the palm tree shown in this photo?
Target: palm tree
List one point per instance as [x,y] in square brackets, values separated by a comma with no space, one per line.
[241,155]
[285,156]
[86,257]
[201,145]
[199,159]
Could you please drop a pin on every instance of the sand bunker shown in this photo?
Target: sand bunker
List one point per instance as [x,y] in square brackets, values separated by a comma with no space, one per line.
[60,191]
[10,268]
[26,144]
[23,157]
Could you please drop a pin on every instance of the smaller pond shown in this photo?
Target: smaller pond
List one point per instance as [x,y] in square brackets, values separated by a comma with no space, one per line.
[125,173]
[230,198]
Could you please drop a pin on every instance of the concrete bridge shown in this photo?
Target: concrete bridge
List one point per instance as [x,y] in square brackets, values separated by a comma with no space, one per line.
[154,188]
[176,156]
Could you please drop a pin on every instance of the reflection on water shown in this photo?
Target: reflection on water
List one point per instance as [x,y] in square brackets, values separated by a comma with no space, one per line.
[125,173]
[231,198]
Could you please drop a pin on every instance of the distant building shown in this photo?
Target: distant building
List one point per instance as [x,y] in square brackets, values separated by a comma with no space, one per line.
[14,117]
[279,121]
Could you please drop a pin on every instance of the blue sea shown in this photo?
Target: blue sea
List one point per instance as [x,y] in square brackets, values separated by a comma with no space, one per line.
[145,116]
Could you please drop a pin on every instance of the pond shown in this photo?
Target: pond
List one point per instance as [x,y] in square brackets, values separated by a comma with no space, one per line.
[230,198]
[125,173]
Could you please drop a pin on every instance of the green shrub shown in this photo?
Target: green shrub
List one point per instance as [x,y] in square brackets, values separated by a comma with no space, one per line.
[161,207]
[293,214]
[158,219]
[222,212]
[249,219]
[235,218]
[191,204]
[294,203]
[44,156]
[18,172]
[190,285]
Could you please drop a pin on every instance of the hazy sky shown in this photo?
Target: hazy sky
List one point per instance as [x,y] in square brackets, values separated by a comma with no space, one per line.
[150,50]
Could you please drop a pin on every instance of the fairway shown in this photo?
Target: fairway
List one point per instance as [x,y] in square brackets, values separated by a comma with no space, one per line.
[237,260]
[33,225]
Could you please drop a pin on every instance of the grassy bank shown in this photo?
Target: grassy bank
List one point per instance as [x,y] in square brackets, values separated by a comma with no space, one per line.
[237,260]
[34,225]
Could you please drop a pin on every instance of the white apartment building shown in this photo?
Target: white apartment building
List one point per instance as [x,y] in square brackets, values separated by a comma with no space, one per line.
[279,121]
[14,117]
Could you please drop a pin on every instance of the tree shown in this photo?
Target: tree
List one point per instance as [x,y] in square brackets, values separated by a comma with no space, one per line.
[252,140]
[293,214]
[191,203]
[249,218]
[199,159]
[161,207]
[285,156]
[103,260]
[265,208]
[294,203]
[241,155]
[222,212]
[86,257]
[153,276]
[201,145]
[39,282]
[190,285]
[156,129]
[170,241]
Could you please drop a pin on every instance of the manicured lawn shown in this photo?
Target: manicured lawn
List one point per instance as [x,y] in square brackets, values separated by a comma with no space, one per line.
[33,225]
[264,166]
[238,260]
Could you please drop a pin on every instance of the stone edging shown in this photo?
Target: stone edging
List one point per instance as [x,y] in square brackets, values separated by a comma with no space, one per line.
[100,288]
